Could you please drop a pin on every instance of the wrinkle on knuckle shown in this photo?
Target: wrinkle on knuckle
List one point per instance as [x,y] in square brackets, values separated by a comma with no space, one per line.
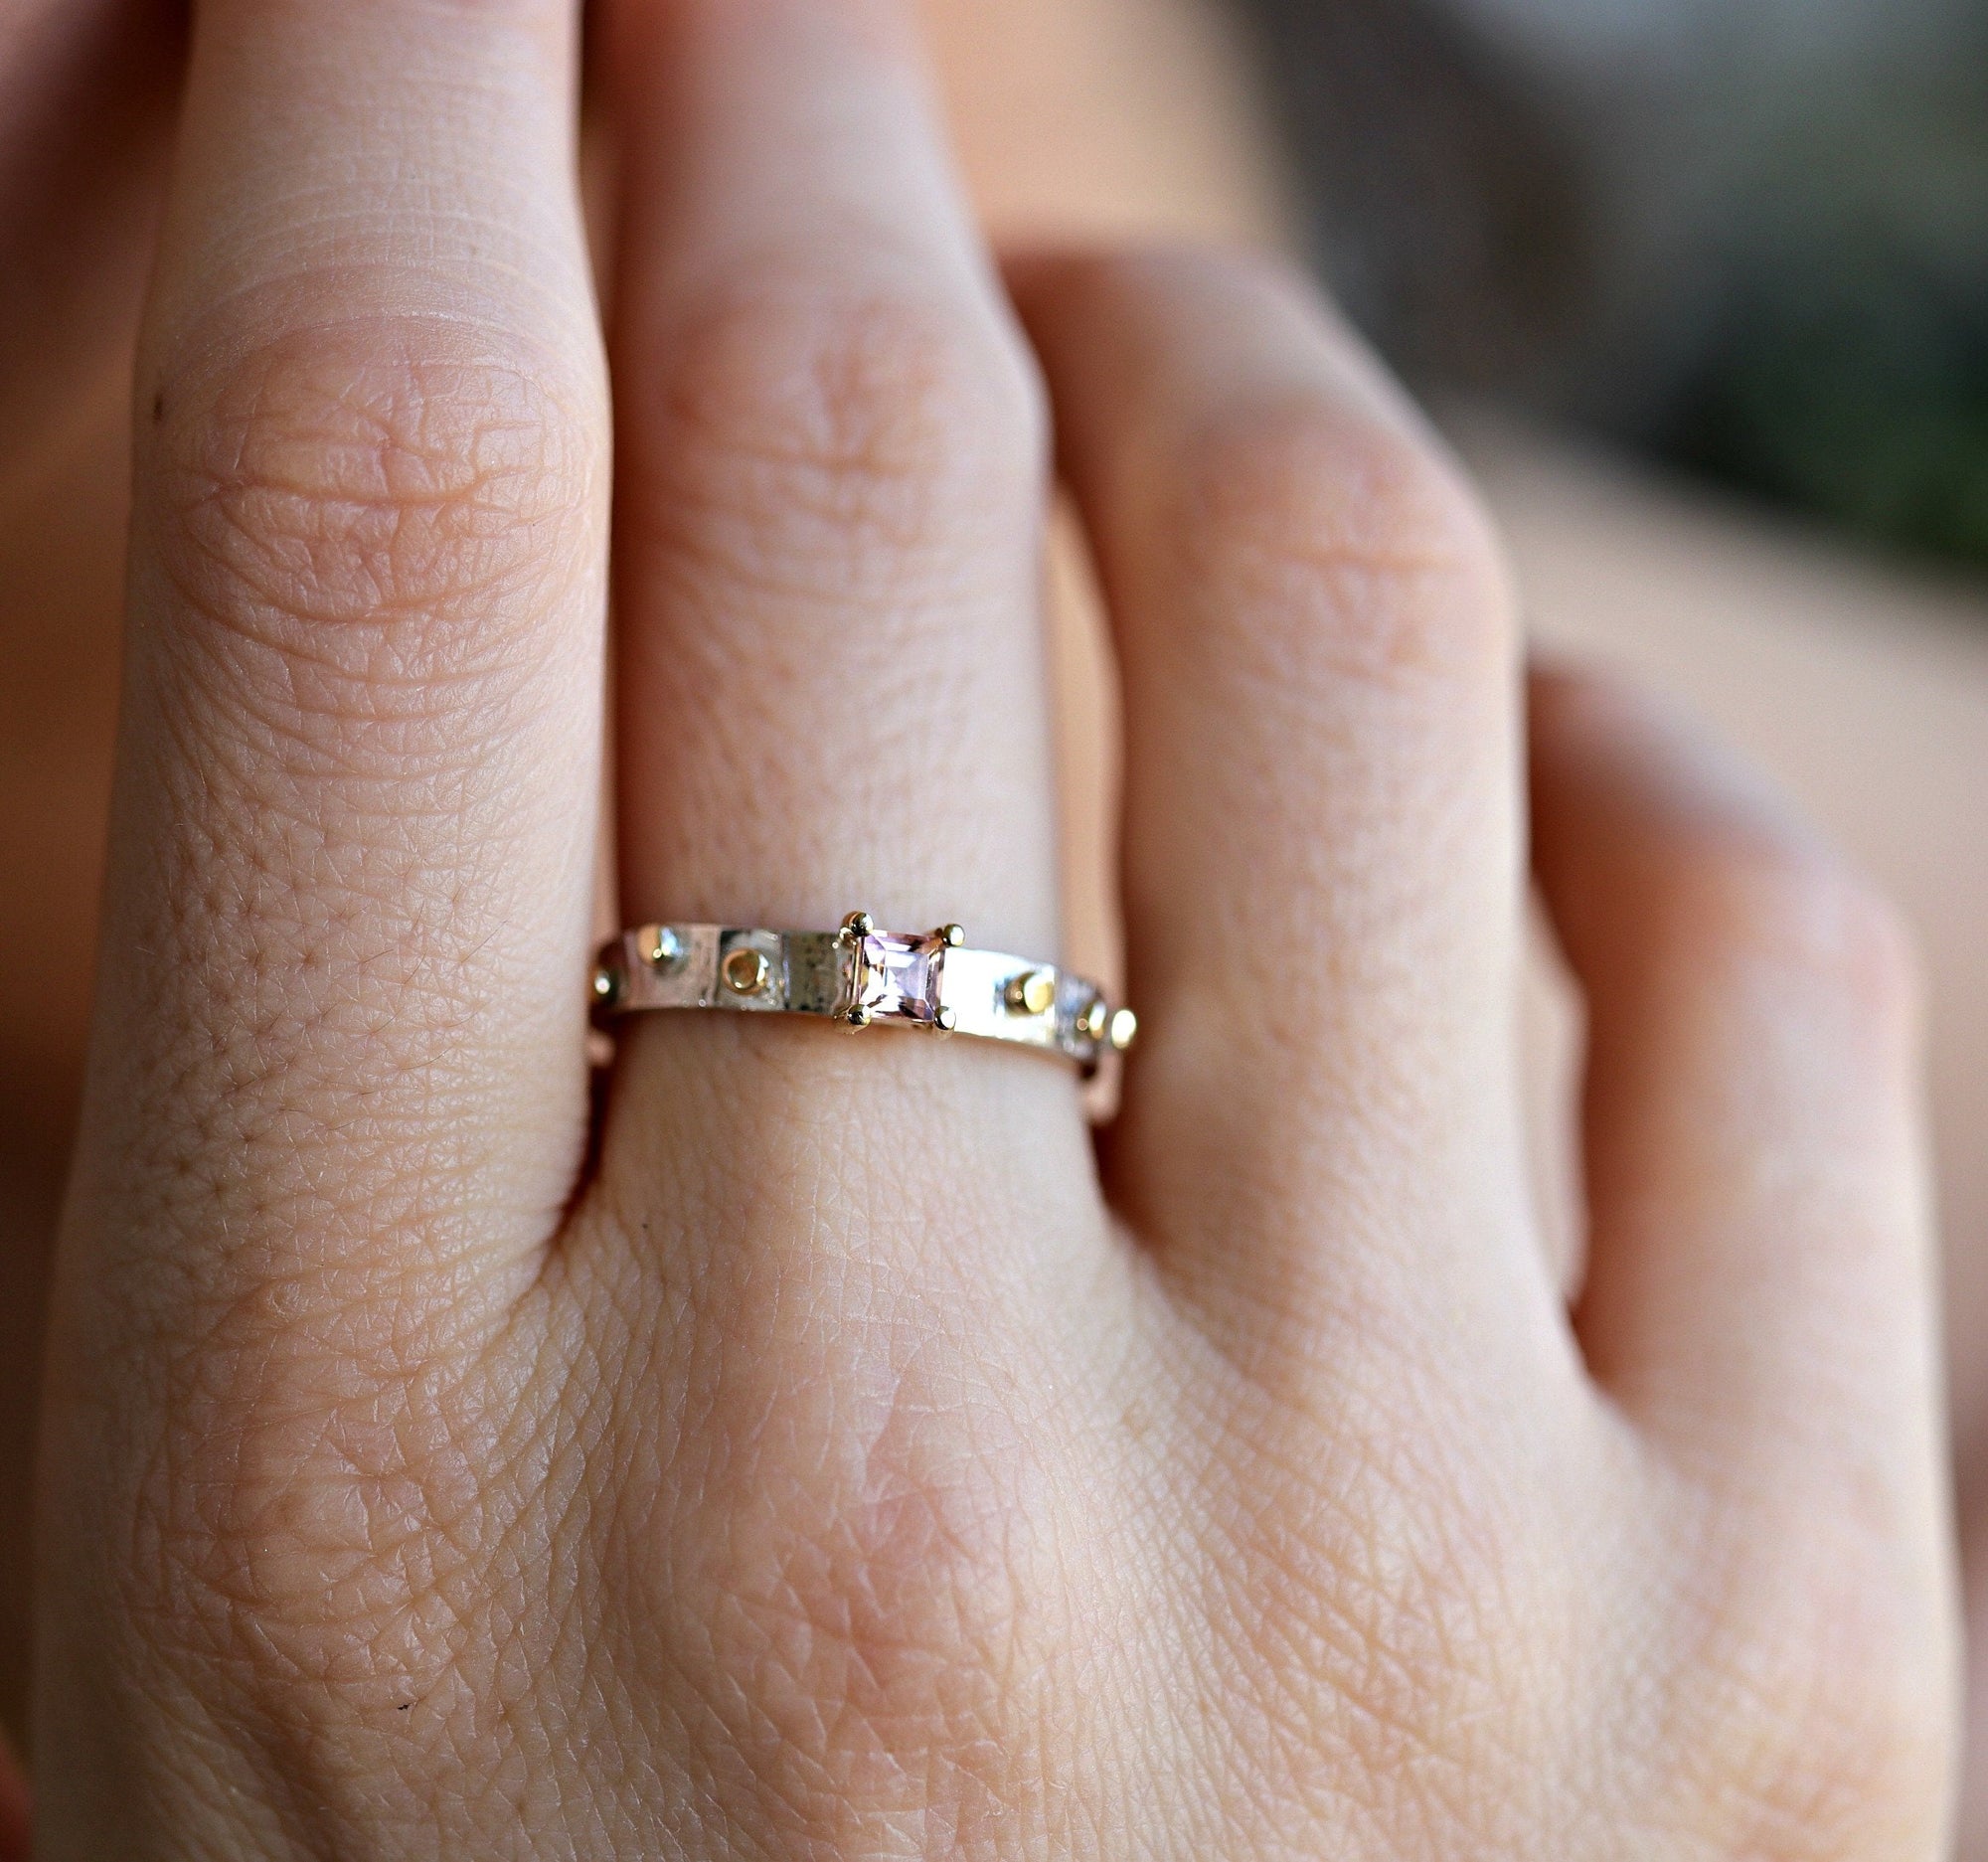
[874,1571]
[310,1523]
[1822,1734]
[366,516]
[1777,902]
[1385,1633]
[815,431]
[1338,546]
[319,1539]
[890,1585]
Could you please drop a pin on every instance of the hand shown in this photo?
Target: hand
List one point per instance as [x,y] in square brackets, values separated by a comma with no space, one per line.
[843,1463]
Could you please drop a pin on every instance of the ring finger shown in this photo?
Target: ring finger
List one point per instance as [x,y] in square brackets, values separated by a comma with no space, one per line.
[830,501]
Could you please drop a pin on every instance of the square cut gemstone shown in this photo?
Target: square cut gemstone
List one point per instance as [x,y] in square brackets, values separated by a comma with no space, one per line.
[901,976]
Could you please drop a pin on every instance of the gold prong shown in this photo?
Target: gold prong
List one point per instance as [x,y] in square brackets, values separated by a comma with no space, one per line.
[606,985]
[954,936]
[1124,1029]
[859,924]
[946,1020]
[859,1018]
[1093,1023]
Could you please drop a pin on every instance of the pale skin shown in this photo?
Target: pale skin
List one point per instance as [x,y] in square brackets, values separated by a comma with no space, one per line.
[840,1460]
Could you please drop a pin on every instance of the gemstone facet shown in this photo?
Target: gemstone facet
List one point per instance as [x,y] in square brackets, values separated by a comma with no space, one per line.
[900,977]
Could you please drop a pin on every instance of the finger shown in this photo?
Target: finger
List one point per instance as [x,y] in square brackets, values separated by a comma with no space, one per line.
[349,900]
[1320,863]
[1760,1275]
[828,519]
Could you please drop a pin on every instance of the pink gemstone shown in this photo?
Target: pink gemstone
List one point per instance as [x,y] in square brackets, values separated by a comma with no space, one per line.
[902,976]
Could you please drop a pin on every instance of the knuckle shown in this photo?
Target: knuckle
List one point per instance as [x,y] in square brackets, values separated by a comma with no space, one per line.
[1352,544]
[302,1519]
[1386,1633]
[878,1590]
[1800,908]
[802,419]
[1828,1732]
[390,503]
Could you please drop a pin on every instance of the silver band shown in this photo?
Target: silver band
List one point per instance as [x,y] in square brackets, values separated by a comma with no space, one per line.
[862,976]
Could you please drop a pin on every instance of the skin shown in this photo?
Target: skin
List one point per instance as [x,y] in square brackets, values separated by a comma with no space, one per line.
[416,1485]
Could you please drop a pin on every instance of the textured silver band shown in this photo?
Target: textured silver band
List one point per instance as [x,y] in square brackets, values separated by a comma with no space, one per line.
[863,976]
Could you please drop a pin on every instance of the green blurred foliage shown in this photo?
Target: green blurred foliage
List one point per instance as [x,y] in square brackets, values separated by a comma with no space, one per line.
[1846,372]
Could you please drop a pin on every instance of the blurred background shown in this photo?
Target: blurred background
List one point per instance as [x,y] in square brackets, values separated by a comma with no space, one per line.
[1749,236]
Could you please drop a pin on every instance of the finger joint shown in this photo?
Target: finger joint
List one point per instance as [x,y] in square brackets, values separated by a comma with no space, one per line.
[356,516]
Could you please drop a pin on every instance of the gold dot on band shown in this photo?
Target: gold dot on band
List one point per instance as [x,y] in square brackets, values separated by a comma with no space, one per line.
[1032,993]
[747,972]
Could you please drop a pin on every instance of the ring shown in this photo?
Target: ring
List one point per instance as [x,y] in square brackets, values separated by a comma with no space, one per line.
[863,978]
